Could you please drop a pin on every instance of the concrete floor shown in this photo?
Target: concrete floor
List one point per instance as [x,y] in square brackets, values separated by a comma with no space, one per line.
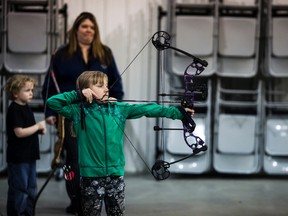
[181,196]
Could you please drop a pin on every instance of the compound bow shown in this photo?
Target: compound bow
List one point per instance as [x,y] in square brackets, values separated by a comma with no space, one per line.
[161,42]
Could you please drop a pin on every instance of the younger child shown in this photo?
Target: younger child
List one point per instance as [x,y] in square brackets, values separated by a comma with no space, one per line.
[99,127]
[22,146]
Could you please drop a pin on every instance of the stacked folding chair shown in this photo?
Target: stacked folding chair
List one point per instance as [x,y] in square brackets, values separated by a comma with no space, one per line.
[237,119]
[275,92]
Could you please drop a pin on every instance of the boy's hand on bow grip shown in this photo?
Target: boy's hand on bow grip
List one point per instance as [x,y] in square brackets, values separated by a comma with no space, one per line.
[89,95]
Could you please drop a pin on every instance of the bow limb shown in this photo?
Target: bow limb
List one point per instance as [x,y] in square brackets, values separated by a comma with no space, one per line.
[60,131]
[56,161]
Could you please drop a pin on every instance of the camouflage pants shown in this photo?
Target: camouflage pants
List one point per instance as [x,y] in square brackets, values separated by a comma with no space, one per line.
[95,191]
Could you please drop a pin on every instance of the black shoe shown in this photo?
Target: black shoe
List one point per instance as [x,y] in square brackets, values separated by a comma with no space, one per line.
[71,209]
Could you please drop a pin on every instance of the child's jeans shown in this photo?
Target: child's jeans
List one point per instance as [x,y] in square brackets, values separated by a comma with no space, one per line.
[22,188]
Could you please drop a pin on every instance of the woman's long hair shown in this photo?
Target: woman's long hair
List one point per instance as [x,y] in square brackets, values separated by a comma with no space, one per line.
[100,51]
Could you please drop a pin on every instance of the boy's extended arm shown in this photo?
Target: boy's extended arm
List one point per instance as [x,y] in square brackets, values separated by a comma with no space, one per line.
[153,110]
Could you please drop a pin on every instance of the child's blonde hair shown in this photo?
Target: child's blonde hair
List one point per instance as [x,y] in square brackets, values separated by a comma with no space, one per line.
[88,78]
[15,83]
[85,80]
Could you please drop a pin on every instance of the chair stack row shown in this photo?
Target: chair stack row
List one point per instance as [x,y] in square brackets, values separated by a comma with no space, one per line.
[245,119]
[275,100]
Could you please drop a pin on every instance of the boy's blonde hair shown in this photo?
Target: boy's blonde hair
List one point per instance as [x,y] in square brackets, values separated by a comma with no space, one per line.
[85,80]
[15,83]
[88,78]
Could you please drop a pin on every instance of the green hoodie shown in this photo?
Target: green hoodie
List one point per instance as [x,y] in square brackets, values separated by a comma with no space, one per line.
[100,139]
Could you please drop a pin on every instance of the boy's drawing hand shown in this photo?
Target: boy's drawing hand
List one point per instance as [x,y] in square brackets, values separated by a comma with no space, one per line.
[89,94]
[51,120]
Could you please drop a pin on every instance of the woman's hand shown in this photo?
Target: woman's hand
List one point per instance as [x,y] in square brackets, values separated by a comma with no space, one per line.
[191,111]
[51,120]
